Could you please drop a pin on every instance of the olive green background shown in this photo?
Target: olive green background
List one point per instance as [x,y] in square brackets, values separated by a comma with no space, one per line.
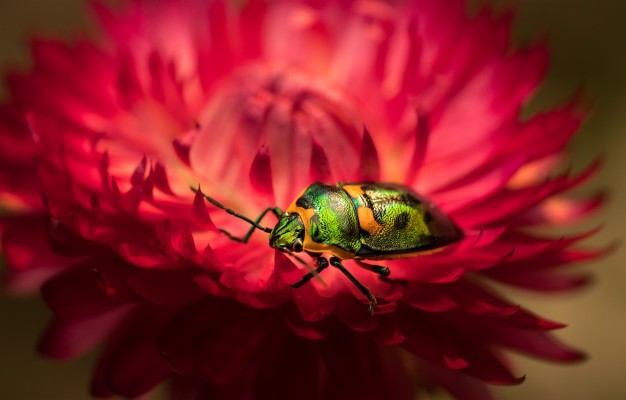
[588,43]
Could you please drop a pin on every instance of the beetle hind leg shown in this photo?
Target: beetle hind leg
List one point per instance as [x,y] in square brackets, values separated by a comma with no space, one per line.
[377,269]
[335,262]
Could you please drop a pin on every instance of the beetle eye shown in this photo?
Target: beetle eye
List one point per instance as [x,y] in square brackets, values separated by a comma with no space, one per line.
[297,246]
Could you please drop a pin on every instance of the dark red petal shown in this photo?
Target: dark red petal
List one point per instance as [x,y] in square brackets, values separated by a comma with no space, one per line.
[186,244]
[547,281]
[428,297]
[431,270]
[180,340]
[241,389]
[320,168]
[131,364]
[352,311]
[430,341]
[29,269]
[486,365]
[200,213]
[459,385]
[69,338]
[387,331]
[422,133]
[161,180]
[130,89]
[234,344]
[167,288]
[533,343]
[213,286]
[137,177]
[369,166]
[77,294]
[182,145]
[310,304]
[261,172]
[308,330]
[141,255]
[275,381]
[478,301]
[359,370]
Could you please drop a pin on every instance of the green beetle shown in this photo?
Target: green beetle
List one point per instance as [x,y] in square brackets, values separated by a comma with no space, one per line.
[372,221]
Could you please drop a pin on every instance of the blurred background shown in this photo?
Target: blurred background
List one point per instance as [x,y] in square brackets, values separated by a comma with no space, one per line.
[588,48]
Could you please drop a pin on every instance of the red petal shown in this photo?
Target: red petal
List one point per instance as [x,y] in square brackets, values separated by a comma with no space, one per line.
[369,167]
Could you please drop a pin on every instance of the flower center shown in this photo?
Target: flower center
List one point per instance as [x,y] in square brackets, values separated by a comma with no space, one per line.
[271,131]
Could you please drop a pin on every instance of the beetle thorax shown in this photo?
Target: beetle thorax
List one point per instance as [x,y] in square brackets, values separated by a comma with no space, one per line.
[288,233]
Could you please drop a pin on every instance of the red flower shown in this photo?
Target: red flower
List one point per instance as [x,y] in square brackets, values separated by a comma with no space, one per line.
[100,144]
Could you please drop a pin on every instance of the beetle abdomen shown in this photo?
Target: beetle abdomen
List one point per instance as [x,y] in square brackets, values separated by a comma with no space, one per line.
[394,221]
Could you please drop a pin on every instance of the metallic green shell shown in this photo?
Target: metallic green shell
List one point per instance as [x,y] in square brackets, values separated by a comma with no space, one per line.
[406,223]
[409,223]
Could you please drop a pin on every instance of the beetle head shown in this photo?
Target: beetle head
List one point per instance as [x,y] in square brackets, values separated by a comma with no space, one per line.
[288,234]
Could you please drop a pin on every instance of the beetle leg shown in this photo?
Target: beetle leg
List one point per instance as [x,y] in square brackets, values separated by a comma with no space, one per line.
[244,239]
[377,269]
[322,264]
[335,262]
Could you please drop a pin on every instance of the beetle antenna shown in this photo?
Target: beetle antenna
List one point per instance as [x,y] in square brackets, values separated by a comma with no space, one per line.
[231,212]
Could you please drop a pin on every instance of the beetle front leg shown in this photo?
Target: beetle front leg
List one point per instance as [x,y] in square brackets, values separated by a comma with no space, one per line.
[244,239]
[335,262]
[255,224]
[322,264]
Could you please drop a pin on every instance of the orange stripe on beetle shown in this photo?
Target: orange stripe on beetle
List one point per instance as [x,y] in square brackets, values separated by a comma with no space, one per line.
[367,222]
[353,191]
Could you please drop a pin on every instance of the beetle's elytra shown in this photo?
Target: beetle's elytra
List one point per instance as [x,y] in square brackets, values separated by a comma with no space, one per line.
[371,221]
